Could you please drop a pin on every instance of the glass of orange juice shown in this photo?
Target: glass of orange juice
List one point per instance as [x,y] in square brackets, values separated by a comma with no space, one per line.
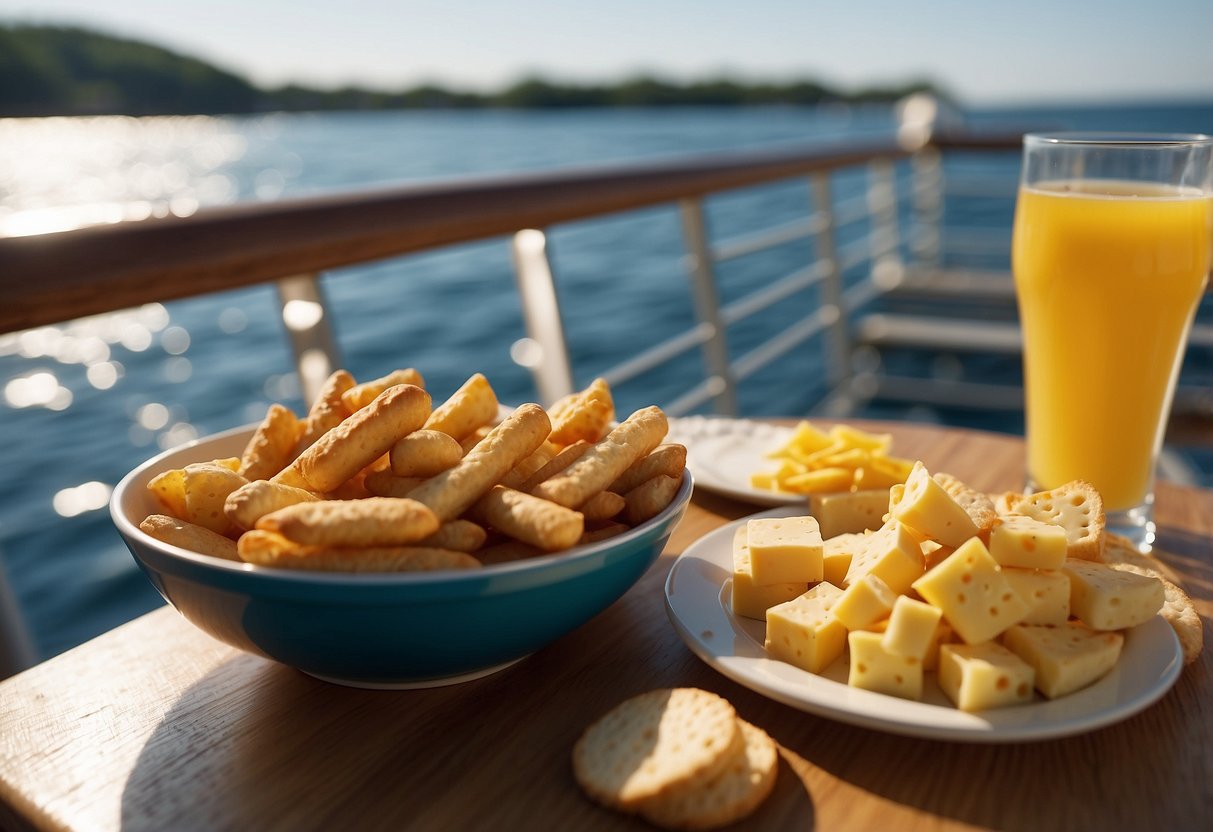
[1111,255]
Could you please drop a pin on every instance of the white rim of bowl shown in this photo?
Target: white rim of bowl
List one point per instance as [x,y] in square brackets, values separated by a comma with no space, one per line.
[126,527]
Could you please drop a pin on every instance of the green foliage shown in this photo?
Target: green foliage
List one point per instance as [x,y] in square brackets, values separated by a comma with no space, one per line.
[55,70]
[48,70]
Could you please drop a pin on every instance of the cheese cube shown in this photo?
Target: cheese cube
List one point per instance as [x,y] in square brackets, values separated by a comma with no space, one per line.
[851,511]
[873,668]
[804,631]
[980,676]
[748,598]
[934,553]
[837,553]
[1066,658]
[912,626]
[929,510]
[1028,543]
[784,550]
[943,634]
[1108,599]
[1047,594]
[973,593]
[891,554]
[896,492]
[867,600]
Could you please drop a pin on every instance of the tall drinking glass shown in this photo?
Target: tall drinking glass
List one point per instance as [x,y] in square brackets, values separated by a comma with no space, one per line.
[1111,255]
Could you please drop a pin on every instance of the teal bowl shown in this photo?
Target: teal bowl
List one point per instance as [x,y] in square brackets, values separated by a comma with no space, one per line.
[385,630]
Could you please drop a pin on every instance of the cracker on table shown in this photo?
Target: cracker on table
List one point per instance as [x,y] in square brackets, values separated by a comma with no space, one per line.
[655,743]
[730,796]
[976,504]
[1177,608]
[1005,502]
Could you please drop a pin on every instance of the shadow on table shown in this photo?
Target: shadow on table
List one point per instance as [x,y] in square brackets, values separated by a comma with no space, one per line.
[272,748]
[1191,557]
[257,745]
[1119,778]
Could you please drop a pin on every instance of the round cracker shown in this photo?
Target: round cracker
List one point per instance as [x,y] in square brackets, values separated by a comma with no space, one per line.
[1177,608]
[730,796]
[977,505]
[663,740]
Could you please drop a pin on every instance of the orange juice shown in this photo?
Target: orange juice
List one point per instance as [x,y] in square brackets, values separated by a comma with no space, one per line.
[1108,275]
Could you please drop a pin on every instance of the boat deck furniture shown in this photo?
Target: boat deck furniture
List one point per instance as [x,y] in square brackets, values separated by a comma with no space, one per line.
[156,726]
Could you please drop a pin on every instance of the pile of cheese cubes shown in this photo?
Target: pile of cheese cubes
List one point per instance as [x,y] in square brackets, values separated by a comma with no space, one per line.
[995,606]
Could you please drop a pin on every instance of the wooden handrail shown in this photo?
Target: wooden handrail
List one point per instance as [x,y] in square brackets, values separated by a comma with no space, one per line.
[49,278]
[964,140]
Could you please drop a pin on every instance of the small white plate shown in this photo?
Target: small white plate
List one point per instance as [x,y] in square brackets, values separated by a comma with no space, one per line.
[697,600]
[722,453]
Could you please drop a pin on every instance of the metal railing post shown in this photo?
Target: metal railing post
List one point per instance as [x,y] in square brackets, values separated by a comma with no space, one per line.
[306,317]
[838,354]
[882,204]
[927,201]
[544,351]
[707,305]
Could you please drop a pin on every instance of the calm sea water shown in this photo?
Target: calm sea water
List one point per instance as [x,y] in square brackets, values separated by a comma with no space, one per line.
[86,401]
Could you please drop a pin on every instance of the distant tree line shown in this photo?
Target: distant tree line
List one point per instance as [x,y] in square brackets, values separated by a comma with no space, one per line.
[57,70]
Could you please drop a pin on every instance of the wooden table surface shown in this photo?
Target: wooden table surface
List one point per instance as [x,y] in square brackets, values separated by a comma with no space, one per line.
[157,726]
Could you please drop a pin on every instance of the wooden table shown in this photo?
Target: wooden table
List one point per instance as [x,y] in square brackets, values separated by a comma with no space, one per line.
[157,726]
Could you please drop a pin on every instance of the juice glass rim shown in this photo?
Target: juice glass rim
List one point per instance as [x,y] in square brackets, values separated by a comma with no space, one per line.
[1119,139]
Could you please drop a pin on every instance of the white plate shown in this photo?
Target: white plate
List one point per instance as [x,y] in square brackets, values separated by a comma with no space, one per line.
[697,600]
[722,453]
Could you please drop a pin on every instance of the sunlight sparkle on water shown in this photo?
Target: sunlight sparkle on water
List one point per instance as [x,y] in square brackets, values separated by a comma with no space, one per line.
[178,434]
[137,338]
[89,496]
[177,369]
[233,320]
[59,174]
[37,389]
[175,340]
[105,375]
[153,416]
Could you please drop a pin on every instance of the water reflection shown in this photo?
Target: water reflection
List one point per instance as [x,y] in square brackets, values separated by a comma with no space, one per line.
[105,375]
[175,340]
[38,389]
[233,320]
[88,340]
[89,496]
[57,174]
[152,416]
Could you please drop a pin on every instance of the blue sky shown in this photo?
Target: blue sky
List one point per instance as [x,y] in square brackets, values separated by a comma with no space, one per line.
[985,52]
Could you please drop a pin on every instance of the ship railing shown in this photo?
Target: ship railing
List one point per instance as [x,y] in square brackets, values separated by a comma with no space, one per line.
[50,278]
[908,248]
